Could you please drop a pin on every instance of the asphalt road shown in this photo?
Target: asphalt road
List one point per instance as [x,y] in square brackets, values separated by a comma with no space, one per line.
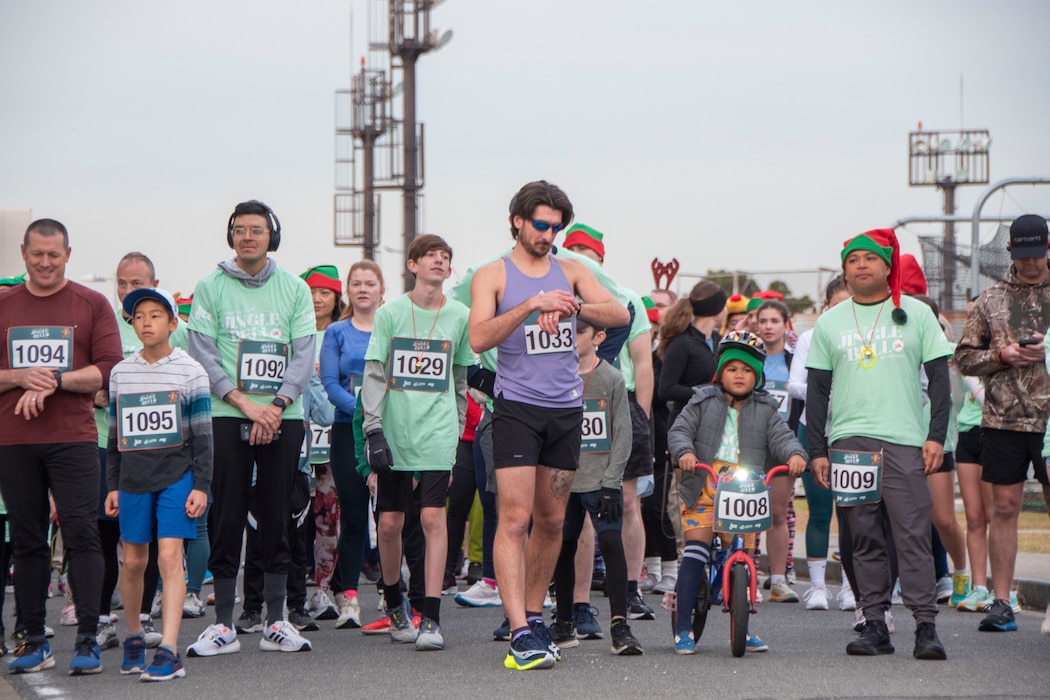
[807,659]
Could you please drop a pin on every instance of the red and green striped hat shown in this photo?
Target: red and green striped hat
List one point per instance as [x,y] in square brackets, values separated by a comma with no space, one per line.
[323,277]
[581,234]
[184,304]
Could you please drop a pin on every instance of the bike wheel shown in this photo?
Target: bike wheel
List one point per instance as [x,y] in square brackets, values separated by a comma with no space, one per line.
[703,604]
[739,609]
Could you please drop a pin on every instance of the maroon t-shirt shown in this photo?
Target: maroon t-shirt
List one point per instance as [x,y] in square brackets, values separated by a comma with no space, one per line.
[34,329]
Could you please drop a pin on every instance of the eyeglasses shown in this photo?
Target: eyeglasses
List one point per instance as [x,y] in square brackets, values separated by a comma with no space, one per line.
[254,230]
[542,226]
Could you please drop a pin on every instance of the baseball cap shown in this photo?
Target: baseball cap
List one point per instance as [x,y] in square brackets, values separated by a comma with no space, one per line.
[1028,235]
[134,297]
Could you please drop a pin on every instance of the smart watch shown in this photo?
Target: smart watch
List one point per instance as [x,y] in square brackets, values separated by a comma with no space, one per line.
[280,403]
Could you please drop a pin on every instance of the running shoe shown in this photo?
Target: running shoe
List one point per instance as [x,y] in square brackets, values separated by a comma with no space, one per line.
[69,616]
[134,656]
[192,607]
[321,607]
[927,645]
[106,636]
[781,592]
[623,642]
[816,597]
[157,608]
[684,643]
[166,665]
[86,657]
[380,626]
[402,631]
[349,615]
[873,641]
[527,653]
[1015,605]
[598,580]
[480,595]
[563,634]
[1000,618]
[647,583]
[542,632]
[31,657]
[755,644]
[49,632]
[301,621]
[448,585]
[789,576]
[637,609]
[960,588]
[149,632]
[583,618]
[979,598]
[281,636]
[249,622]
[475,572]
[944,589]
[846,600]
[214,641]
[548,603]
[429,637]
[667,583]
[502,633]
[858,619]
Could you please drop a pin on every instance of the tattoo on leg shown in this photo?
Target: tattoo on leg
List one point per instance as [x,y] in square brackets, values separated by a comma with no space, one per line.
[561,482]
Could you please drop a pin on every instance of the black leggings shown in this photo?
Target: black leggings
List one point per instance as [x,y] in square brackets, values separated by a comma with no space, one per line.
[460,500]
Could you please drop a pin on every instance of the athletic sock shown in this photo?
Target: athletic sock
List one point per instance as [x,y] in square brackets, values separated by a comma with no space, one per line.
[275,586]
[817,567]
[652,566]
[392,594]
[690,575]
[432,609]
[777,578]
[670,568]
[225,594]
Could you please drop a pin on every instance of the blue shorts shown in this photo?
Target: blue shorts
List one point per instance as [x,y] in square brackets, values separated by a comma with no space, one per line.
[166,508]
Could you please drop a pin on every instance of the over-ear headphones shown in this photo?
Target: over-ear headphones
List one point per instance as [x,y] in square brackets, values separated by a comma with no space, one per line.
[254,206]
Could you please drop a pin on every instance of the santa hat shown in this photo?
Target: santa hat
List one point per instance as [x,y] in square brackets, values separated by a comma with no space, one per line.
[882,242]
[650,310]
[581,234]
[913,281]
[323,277]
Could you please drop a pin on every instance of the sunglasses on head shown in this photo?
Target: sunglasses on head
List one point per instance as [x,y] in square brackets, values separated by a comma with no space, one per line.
[542,226]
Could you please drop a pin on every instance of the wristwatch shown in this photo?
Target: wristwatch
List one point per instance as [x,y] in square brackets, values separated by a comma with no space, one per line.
[57,374]
[280,403]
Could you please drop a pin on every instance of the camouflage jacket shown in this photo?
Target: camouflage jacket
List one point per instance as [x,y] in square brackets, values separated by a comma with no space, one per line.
[1016,398]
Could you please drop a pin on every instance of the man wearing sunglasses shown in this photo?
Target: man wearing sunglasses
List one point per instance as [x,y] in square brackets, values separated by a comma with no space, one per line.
[525,305]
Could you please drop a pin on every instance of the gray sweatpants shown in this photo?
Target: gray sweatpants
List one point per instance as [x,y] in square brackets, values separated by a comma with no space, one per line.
[906,503]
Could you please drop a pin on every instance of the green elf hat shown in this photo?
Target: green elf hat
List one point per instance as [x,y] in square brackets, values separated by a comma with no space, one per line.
[12,281]
[882,242]
[323,277]
[184,304]
[650,310]
[581,234]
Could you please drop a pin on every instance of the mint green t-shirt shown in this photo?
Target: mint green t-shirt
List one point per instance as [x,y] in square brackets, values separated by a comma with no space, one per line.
[884,401]
[639,327]
[971,412]
[729,448]
[421,424]
[258,321]
[129,345]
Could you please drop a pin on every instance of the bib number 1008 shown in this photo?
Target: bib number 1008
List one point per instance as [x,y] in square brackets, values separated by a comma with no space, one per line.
[745,508]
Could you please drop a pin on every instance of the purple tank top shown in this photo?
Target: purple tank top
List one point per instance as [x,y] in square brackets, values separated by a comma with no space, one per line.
[534,367]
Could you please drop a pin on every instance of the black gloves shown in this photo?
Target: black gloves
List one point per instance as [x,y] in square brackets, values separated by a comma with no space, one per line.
[610,505]
[377,452]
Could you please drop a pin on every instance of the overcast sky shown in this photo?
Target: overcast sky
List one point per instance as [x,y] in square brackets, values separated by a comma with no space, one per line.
[752,135]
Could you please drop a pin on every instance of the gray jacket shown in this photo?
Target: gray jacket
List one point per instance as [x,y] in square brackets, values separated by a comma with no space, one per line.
[765,438]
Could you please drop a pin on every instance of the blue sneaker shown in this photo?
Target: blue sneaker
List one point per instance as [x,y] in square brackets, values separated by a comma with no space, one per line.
[31,657]
[684,643]
[1000,618]
[586,626]
[527,652]
[86,657]
[755,644]
[502,633]
[134,656]
[543,633]
[166,665]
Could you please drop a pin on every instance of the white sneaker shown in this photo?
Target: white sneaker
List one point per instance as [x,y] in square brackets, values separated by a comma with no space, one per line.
[349,617]
[156,609]
[430,637]
[321,607]
[217,639]
[944,589]
[192,606]
[846,599]
[858,619]
[666,584]
[480,595]
[281,636]
[647,583]
[816,598]
[1045,629]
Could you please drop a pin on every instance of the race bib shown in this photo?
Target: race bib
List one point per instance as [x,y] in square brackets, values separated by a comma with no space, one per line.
[778,390]
[419,365]
[321,448]
[742,506]
[261,366]
[595,429]
[856,477]
[41,346]
[305,447]
[539,342]
[148,421]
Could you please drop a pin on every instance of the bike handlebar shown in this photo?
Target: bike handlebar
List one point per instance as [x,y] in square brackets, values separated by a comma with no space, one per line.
[779,469]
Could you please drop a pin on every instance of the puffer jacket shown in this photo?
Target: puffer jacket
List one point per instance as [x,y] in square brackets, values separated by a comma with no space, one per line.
[1015,398]
[765,439]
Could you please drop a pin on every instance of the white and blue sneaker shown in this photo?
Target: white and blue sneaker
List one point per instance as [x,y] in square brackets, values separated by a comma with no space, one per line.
[217,639]
[282,636]
[684,643]
[755,644]
[31,657]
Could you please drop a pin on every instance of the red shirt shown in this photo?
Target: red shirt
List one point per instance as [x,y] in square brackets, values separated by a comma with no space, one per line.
[67,416]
